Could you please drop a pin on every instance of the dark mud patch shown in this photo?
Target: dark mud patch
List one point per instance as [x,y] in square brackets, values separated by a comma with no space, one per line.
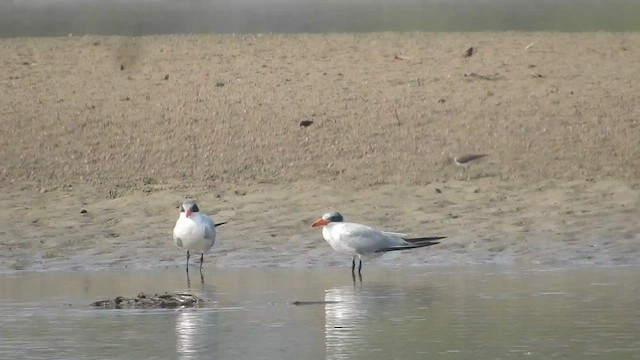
[144,301]
[321,302]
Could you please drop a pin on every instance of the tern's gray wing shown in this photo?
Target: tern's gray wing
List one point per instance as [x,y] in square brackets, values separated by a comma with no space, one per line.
[209,229]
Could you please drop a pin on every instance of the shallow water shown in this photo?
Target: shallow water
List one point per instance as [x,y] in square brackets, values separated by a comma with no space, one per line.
[138,17]
[480,312]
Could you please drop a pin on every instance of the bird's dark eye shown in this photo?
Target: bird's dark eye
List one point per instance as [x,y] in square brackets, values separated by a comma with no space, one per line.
[194,208]
[181,208]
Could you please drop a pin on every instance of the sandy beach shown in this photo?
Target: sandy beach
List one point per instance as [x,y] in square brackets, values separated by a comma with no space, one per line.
[103,137]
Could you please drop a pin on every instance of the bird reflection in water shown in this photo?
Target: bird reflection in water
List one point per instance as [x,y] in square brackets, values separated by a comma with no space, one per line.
[196,336]
[343,322]
[355,315]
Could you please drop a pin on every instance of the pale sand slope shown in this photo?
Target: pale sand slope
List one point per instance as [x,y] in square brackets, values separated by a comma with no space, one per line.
[559,118]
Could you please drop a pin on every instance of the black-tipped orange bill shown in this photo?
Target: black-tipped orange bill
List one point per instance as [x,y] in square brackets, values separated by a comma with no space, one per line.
[319,222]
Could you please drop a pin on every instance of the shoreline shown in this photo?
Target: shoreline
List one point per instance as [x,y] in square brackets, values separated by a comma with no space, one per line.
[552,224]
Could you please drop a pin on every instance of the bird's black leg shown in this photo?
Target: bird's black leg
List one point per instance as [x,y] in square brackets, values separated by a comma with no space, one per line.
[201,261]
[353,269]
[360,267]
[187,262]
[188,280]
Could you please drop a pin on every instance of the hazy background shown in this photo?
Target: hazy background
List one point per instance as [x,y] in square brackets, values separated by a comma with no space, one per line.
[139,17]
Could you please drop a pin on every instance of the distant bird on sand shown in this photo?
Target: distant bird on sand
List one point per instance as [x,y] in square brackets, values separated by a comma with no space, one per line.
[363,241]
[194,231]
[465,161]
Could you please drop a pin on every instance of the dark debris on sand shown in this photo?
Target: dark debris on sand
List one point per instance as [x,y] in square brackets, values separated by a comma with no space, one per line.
[163,301]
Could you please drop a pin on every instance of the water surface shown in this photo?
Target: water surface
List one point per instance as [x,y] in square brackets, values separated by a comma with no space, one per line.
[138,17]
[481,312]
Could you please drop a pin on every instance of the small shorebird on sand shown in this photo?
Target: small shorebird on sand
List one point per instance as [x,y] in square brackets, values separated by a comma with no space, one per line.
[465,161]
[194,231]
[363,241]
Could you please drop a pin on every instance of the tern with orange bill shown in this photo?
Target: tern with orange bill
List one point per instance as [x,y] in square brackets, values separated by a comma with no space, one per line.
[362,241]
[194,231]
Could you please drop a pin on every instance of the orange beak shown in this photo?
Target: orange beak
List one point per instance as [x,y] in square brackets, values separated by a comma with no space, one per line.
[187,213]
[319,222]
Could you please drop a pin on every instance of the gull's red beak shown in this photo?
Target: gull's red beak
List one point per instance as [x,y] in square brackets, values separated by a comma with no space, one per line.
[319,222]
[187,212]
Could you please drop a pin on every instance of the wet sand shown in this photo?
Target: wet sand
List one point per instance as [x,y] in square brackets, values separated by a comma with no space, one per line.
[126,128]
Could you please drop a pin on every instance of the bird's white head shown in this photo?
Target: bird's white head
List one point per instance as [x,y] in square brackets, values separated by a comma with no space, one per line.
[327,218]
[189,207]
